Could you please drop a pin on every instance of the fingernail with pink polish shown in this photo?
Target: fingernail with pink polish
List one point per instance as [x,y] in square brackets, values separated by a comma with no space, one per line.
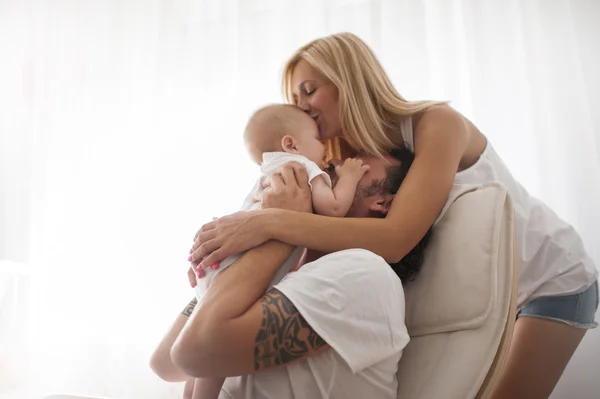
[215,265]
[189,259]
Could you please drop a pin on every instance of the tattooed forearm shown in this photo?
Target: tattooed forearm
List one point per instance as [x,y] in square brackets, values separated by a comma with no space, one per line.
[284,335]
[187,311]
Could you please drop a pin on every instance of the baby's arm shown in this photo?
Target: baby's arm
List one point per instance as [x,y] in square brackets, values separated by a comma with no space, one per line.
[337,202]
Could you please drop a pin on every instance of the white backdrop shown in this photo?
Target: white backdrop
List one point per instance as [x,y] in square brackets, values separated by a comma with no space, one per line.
[120,133]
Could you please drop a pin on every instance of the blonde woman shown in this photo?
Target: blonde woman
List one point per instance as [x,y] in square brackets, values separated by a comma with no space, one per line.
[339,82]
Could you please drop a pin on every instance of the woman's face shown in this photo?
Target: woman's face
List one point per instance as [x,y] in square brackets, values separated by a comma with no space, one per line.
[318,97]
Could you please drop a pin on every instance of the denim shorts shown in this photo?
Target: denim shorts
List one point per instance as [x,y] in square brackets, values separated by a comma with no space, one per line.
[576,310]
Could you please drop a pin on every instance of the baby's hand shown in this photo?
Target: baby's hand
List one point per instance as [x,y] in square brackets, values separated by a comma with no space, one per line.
[352,168]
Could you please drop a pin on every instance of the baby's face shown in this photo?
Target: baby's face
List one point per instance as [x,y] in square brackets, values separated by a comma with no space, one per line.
[310,146]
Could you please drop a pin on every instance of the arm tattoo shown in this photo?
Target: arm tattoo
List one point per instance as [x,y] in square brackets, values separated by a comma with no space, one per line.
[187,311]
[284,335]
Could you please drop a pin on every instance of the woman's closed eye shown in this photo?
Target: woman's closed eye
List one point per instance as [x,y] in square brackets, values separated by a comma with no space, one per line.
[305,92]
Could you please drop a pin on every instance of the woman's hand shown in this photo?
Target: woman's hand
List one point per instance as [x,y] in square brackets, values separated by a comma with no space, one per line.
[192,276]
[228,236]
[244,230]
[193,270]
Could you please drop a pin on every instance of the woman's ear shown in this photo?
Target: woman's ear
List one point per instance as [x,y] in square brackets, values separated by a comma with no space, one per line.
[289,144]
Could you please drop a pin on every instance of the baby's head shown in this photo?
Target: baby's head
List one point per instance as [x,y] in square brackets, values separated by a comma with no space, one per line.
[283,127]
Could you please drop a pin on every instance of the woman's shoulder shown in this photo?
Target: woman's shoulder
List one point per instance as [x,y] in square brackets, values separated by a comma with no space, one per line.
[436,113]
[442,119]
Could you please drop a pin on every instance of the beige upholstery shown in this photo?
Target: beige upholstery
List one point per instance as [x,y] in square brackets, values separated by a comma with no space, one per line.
[460,311]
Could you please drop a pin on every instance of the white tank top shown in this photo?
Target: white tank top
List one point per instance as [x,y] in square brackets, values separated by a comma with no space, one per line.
[552,258]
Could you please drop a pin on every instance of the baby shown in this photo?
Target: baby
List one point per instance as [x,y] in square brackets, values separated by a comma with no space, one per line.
[274,136]
[278,134]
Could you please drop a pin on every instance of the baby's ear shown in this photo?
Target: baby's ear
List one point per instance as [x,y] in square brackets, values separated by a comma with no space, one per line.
[289,144]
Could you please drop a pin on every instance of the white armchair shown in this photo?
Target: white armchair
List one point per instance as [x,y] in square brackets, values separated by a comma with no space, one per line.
[460,312]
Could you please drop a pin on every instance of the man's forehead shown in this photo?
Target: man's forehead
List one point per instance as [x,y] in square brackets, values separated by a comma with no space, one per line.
[373,179]
[377,169]
[378,164]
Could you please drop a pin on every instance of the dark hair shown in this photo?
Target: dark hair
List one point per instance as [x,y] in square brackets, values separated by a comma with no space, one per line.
[408,267]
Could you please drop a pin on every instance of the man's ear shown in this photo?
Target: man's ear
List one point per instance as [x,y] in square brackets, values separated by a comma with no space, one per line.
[289,144]
[380,204]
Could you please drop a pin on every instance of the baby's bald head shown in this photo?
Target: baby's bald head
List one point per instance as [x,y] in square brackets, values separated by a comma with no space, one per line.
[269,125]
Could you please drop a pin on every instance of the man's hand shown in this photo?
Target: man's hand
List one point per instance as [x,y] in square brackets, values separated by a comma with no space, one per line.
[290,189]
[244,230]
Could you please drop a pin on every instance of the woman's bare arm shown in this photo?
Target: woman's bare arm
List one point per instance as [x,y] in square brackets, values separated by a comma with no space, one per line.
[441,139]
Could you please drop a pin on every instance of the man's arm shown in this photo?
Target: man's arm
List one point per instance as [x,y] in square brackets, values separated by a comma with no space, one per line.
[238,329]
[161,362]
[284,335]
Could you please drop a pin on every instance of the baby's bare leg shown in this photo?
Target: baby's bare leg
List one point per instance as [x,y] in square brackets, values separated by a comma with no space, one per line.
[207,388]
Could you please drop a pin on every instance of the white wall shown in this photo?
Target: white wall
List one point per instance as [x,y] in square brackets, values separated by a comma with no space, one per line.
[107,107]
[582,377]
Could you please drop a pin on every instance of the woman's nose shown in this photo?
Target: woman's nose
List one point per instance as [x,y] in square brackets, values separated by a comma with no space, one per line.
[303,105]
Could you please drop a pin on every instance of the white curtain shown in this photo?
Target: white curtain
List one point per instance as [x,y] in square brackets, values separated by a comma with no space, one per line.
[120,124]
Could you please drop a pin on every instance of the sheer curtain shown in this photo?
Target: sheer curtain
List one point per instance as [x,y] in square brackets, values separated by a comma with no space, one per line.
[120,130]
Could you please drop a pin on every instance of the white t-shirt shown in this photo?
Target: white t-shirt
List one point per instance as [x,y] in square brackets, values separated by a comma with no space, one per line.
[272,161]
[355,302]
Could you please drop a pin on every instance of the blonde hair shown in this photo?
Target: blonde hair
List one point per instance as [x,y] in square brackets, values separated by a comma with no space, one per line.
[370,107]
